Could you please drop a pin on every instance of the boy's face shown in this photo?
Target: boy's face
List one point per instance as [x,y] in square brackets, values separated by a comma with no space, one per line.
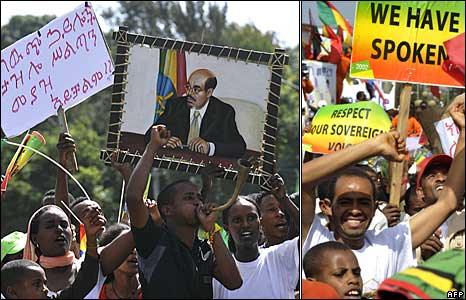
[342,271]
[273,219]
[33,285]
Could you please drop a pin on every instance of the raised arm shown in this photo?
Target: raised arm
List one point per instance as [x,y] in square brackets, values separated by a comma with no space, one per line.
[390,145]
[65,147]
[225,269]
[87,276]
[138,211]
[426,222]
[308,208]
[125,169]
[115,253]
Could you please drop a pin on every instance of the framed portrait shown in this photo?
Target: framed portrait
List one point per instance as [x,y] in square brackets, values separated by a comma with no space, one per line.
[220,104]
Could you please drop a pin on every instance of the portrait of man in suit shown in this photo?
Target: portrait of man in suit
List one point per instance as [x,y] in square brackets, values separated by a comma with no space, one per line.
[201,122]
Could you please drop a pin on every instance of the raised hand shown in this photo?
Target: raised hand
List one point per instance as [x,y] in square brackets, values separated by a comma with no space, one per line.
[199,145]
[278,186]
[456,111]
[206,216]
[392,213]
[65,146]
[392,146]
[159,135]
[125,169]
[94,222]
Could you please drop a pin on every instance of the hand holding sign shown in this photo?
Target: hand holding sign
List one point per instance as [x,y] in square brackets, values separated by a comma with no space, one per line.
[335,127]
[69,160]
[66,147]
[392,146]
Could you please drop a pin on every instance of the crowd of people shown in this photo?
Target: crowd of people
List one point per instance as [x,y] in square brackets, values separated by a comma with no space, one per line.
[169,248]
[355,242]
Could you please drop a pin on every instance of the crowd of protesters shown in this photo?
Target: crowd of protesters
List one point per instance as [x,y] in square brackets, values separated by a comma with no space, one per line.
[356,244]
[170,248]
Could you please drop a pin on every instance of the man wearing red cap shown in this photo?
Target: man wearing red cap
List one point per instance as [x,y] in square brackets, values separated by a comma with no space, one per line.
[431,176]
[430,181]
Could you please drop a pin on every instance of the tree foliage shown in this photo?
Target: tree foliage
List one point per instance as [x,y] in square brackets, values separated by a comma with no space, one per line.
[88,122]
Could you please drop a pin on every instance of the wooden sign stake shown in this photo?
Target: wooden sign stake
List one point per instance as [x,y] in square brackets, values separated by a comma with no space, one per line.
[397,167]
[71,163]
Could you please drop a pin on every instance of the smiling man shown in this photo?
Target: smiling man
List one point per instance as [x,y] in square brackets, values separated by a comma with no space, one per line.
[381,253]
[267,273]
[201,121]
[353,206]
[430,182]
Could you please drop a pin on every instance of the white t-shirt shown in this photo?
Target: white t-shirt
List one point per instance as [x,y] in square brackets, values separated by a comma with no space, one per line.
[273,275]
[384,253]
[379,221]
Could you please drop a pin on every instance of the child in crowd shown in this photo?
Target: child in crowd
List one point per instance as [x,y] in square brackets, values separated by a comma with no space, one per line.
[335,264]
[27,279]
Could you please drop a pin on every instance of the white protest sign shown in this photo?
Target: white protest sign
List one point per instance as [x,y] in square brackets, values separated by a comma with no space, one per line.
[63,63]
[324,79]
[449,134]
[412,143]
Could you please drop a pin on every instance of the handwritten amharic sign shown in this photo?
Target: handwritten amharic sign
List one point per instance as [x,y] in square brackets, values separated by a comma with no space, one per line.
[63,63]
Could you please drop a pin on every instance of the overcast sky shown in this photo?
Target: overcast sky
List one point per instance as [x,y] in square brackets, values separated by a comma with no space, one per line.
[281,17]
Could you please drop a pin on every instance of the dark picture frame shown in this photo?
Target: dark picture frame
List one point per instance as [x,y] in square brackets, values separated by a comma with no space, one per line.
[129,146]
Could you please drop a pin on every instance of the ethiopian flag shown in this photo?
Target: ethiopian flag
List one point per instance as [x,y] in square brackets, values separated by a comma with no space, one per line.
[329,15]
[171,78]
[82,240]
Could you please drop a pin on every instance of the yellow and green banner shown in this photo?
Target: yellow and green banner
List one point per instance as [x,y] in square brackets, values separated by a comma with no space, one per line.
[407,41]
[335,127]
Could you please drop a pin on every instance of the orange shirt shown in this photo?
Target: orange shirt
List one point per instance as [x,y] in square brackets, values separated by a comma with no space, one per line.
[307,86]
[414,127]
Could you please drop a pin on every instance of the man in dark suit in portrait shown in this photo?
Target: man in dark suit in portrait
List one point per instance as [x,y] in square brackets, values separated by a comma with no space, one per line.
[200,121]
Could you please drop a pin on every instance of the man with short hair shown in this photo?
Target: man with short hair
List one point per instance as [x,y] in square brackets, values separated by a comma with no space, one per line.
[385,252]
[430,182]
[380,253]
[201,121]
[173,262]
